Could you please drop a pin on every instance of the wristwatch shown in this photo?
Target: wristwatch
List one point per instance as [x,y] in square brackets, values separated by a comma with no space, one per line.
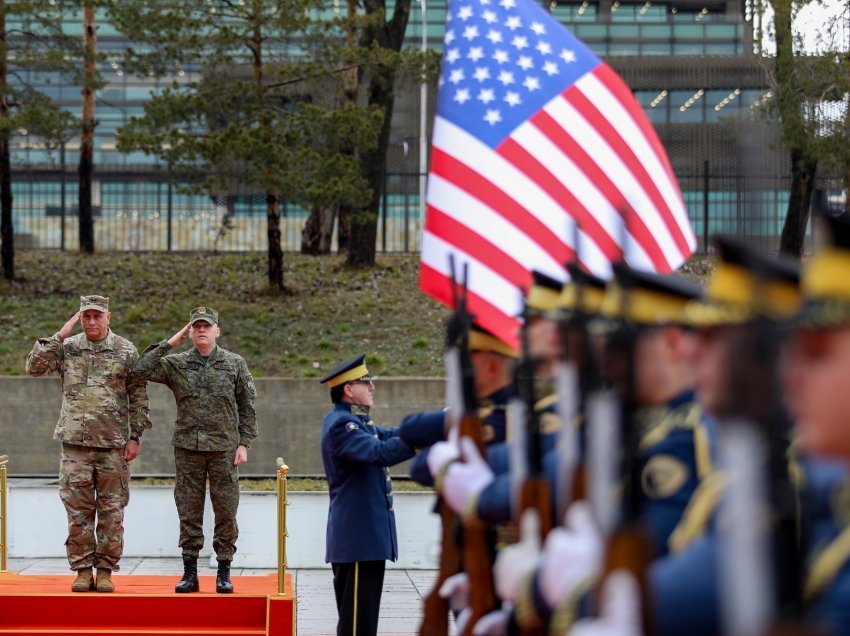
[136,438]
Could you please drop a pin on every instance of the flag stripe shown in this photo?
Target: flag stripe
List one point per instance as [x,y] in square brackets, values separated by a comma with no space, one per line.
[641,137]
[635,225]
[489,194]
[463,237]
[624,169]
[489,316]
[591,226]
[584,106]
[451,200]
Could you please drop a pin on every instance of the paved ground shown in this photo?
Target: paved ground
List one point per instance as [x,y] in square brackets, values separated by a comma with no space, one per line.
[401,605]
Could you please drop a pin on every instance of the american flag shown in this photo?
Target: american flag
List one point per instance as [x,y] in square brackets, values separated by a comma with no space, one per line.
[538,144]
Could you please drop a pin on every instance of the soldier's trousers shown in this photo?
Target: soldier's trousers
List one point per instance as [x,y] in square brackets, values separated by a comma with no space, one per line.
[358,588]
[190,486]
[94,485]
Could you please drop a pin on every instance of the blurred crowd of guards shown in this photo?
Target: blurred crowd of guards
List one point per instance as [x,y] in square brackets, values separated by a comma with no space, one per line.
[658,458]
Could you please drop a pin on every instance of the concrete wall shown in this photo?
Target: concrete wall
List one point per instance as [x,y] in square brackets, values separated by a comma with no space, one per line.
[38,526]
[289,413]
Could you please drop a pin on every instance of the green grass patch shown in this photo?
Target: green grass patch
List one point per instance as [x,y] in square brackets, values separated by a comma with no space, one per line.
[331,314]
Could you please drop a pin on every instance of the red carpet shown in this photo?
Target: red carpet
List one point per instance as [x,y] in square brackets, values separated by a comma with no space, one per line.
[45,605]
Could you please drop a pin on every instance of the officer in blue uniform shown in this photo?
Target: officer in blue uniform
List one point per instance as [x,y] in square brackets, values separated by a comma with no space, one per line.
[361,533]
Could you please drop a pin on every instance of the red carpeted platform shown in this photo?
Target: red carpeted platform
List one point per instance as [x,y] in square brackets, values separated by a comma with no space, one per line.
[45,605]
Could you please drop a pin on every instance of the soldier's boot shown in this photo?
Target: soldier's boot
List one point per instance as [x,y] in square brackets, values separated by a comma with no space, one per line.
[222,578]
[104,581]
[84,581]
[189,582]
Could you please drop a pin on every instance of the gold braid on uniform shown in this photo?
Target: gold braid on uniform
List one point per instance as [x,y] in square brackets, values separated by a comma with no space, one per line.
[567,613]
[525,611]
[827,564]
[698,513]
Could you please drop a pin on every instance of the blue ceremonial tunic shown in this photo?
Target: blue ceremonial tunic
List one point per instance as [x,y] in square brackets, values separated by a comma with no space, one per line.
[356,454]
[422,430]
[827,495]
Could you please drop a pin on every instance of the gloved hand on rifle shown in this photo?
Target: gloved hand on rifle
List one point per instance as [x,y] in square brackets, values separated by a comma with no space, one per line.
[440,455]
[571,556]
[466,479]
[456,590]
[516,561]
[620,615]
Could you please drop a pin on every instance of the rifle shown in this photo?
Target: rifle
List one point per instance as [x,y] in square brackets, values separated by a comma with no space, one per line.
[629,546]
[435,619]
[578,377]
[534,491]
[767,554]
[477,546]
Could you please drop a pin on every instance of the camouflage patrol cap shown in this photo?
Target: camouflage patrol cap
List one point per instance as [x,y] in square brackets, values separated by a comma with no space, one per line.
[98,303]
[207,314]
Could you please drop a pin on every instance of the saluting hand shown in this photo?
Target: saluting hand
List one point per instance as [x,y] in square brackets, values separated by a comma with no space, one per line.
[177,338]
[68,328]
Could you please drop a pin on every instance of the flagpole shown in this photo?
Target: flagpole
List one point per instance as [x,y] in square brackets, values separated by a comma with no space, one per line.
[423,121]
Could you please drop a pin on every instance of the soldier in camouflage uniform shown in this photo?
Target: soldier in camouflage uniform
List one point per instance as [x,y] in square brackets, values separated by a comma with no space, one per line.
[215,425]
[104,413]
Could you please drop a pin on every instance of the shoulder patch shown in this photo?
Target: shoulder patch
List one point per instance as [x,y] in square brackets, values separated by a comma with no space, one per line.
[663,476]
[350,426]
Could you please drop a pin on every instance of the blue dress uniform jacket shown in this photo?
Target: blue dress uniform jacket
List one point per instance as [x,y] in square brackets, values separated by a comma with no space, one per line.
[422,430]
[827,584]
[356,454]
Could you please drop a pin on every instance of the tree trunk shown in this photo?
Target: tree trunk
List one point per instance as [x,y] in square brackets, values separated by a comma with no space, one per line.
[364,222]
[318,231]
[272,195]
[803,172]
[86,168]
[273,234]
[343,233]
[7,228]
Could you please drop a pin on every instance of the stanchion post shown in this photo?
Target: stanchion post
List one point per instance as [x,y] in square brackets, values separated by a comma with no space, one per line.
[282,533]
[4,543]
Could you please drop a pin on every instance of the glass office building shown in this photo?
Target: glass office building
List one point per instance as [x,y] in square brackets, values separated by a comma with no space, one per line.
[692,65]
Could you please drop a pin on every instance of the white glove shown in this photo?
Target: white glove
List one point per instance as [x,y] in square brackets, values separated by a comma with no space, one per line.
[620,615]
[493,624]
[515,561]
[464,480]
[441,454]
[571,555]
[456,589]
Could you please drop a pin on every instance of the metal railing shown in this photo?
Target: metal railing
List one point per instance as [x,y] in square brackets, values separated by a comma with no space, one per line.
[282,533]
[4,543]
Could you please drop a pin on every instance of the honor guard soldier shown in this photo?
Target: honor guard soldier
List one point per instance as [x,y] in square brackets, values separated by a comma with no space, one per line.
[104,414]
[361,532]
[816,384]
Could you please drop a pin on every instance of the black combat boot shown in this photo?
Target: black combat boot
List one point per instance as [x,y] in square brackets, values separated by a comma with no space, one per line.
[222,578]
[189,582]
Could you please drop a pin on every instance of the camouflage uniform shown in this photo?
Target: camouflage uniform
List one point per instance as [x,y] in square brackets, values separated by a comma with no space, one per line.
[215,414]
[103,404]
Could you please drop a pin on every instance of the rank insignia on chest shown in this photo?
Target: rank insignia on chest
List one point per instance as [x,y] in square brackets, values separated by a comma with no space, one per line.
[351,426]
[664,476]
